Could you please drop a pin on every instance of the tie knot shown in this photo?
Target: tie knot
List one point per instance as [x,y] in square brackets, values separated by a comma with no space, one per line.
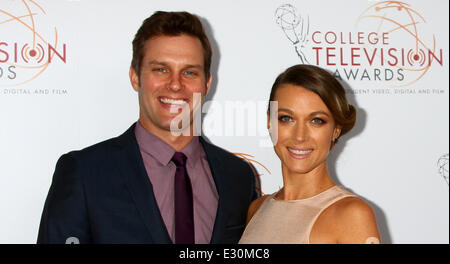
[179,159]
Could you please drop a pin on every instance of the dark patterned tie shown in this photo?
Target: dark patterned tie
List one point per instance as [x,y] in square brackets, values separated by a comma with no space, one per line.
[184,209]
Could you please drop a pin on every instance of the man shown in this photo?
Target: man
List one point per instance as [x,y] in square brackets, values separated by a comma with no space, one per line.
[152,185]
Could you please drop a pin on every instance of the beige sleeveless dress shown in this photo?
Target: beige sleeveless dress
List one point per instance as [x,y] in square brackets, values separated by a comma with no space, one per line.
[289,221]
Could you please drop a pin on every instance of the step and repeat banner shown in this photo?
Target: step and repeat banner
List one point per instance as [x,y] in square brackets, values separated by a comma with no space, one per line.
[64,86]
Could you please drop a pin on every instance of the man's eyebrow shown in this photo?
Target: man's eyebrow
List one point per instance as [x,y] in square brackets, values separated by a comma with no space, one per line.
[155,62]
[193,66]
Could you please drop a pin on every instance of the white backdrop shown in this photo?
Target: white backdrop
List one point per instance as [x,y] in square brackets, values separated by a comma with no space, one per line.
[396,157]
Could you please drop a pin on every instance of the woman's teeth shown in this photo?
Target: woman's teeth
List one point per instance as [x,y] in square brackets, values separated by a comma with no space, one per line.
[300,152]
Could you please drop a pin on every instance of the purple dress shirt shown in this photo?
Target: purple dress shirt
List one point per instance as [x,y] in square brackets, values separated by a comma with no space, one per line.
[157,156]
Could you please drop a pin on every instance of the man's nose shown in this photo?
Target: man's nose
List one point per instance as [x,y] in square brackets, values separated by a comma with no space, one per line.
[175,82]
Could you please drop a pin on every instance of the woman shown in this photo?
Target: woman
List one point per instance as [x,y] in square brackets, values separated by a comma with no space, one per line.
[312,114]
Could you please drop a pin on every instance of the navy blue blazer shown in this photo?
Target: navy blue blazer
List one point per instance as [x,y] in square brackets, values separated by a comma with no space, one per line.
[102,194]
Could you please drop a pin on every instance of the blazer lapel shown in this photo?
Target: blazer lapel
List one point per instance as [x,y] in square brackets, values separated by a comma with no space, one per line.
[132,168]
[217,172]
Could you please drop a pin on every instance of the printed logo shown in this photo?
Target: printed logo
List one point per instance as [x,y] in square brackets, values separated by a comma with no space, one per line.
[29,44]
[408,46]
[391,43]
[443,167]
[295,28]
[254,163]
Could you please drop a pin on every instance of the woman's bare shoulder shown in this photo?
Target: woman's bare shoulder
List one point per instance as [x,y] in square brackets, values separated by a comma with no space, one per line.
[356,222]
[347,221]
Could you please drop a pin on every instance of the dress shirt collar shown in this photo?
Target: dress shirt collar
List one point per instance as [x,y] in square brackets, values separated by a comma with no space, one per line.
[163,152]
